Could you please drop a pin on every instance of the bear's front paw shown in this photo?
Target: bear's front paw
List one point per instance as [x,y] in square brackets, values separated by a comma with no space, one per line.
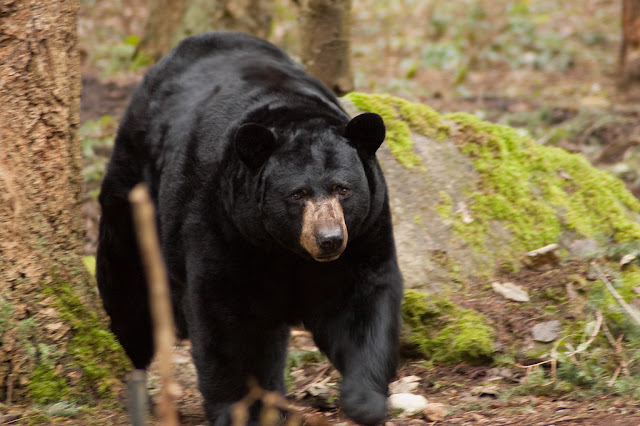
[364,406]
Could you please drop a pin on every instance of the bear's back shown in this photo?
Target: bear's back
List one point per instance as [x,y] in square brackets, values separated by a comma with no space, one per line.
[214,82]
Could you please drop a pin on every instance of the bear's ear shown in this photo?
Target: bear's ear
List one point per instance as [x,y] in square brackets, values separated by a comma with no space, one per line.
[366,132]
[254,144]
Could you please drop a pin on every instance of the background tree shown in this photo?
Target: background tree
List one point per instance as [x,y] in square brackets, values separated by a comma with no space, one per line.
[53,345]
[325,33]
[163,22]
[629,60]
[169,21]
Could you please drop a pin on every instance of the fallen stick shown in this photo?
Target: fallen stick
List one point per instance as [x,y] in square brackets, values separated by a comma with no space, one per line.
[160,302]
[617,345]
[616,295]
[528,369]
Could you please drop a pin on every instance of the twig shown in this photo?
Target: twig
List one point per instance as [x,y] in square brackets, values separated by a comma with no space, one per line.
[528,368]
[617,345]
[10,380]
[594,333]
[272,403]
[612,380]
[161,312]
[315,380]
[554,361]
[615,294]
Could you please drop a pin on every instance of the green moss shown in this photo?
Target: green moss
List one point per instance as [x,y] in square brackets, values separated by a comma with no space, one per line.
[45,386]
[93,349]
[89,263]
[25,336]
[555,294]
[446,261]
[618,319]
[6,315]
[445,206]
[537,191]
[526,192]
[629,279]
[400,118]
[446,332]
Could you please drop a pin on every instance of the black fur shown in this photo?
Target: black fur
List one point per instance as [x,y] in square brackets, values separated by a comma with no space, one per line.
[230,227]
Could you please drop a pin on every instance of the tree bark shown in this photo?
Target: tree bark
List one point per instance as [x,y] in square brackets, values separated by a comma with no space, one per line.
[164,18]
[53,345]
[246,16]
[325,30]
[169,21]
[629,59]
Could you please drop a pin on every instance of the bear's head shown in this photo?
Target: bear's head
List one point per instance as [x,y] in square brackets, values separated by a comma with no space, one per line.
[312,185]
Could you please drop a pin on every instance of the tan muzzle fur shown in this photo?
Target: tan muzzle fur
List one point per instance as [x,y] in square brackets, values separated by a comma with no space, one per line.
[324,233]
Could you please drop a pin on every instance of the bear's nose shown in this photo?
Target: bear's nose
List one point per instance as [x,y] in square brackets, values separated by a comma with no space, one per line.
[330,240]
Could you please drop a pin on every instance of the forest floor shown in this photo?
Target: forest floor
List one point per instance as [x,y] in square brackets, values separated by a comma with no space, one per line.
[549,69]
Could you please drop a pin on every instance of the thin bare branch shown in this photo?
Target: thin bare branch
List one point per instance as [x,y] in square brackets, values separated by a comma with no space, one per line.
[161,311]
[616,295]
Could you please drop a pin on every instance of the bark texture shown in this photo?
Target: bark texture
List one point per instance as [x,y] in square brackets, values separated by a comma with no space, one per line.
[247,16]
[325,30]
[164,20]
[47,300]
[169,21]
[629,60]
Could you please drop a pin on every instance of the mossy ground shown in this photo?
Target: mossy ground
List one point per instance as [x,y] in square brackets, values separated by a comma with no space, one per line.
[93,353]
[445,332]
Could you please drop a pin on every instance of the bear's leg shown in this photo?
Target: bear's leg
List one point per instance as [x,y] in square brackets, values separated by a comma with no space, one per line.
[121,282]
[362,342]
[227,351]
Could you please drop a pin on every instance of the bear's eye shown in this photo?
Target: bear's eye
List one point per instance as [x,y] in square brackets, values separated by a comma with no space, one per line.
[341,190]
[297,196]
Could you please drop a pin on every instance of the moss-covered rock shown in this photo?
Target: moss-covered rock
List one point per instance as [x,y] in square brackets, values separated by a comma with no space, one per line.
[486,194]
[445,332]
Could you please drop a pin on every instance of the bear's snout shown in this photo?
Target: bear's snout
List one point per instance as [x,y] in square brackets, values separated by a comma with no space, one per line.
[330,240]
[324,233]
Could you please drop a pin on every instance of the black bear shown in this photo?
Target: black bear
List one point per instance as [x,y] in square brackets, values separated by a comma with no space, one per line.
[272,211]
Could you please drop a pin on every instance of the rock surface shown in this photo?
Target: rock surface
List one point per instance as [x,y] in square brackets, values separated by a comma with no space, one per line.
[546,331]
[470,197]
[511,291]
[408,403]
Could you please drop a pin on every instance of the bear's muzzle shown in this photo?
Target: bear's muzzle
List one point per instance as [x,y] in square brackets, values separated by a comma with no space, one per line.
[324,233]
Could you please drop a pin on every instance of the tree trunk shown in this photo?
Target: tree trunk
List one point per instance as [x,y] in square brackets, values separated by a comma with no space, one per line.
[325,37]
[169,21]
[629,59]
[53,345]
[246,16]
[164,18]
